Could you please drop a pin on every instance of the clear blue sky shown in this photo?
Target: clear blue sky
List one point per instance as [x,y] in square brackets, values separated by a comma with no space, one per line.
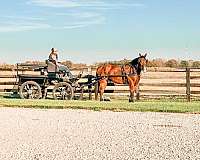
[96,30]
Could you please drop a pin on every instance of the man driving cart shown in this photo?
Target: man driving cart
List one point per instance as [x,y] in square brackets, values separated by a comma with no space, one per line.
[53,57]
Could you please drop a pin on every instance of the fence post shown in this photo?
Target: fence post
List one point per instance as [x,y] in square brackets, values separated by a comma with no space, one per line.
[90,86]
[89,70]
[81,95]
[188,92]
[17,69]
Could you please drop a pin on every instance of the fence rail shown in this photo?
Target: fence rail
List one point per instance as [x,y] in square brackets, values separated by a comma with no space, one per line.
[180,82]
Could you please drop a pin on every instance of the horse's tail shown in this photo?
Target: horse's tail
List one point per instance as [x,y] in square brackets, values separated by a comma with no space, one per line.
[101,73]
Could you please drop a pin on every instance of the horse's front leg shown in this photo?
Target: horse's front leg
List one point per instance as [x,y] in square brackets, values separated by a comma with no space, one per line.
[102,86]
[137,92]
[131,99]
[132,91]
[137,88]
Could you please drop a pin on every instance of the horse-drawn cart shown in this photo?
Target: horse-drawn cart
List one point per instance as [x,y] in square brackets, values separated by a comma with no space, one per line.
[31,86]
[34,86]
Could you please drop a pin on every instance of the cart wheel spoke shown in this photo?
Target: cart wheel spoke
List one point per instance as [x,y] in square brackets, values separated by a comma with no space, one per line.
[25,88]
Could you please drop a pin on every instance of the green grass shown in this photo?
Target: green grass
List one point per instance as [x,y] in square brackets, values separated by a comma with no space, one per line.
[141,106]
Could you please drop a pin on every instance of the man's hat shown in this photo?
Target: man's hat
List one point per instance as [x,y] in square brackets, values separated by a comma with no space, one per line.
[54,50]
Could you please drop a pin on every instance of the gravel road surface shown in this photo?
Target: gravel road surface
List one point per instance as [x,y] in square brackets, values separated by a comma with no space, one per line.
[38,134]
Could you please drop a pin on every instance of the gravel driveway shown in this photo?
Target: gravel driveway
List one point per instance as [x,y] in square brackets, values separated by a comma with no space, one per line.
[39,134]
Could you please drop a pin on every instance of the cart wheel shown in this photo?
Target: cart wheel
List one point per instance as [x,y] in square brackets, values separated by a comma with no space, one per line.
[30,90]
[63,91]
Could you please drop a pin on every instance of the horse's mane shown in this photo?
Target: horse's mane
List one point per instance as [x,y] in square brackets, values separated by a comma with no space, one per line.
[134,62]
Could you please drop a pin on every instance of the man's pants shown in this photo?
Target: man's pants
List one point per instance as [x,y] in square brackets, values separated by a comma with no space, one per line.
[63,68]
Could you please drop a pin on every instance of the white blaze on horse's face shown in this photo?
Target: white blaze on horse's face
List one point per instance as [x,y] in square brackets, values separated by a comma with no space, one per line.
[144,69]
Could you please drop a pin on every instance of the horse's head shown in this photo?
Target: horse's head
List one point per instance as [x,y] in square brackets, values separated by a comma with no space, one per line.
[142,62]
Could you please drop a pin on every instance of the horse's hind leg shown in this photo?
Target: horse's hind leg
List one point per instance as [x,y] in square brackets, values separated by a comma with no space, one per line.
[102,86]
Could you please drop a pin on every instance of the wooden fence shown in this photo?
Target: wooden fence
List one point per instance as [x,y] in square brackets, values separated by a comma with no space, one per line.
[182,83]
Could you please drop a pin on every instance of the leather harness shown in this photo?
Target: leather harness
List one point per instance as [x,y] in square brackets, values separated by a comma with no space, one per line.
[132,72]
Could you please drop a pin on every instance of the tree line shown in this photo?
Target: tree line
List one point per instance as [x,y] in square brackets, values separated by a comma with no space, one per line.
[70,64]
[171,63]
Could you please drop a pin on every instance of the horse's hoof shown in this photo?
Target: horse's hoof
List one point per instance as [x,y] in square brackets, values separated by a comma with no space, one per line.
[107,99]
[131,100]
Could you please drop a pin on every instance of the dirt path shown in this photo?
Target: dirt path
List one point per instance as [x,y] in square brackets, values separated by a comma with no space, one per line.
[80,134]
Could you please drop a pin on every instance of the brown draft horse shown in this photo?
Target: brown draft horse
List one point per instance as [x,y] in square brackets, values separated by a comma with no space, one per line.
[129,73]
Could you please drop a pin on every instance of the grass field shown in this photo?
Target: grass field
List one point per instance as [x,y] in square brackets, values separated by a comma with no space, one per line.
[115,105]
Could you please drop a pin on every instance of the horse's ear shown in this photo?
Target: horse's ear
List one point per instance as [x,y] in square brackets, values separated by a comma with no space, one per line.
[145,55]
[140,55]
